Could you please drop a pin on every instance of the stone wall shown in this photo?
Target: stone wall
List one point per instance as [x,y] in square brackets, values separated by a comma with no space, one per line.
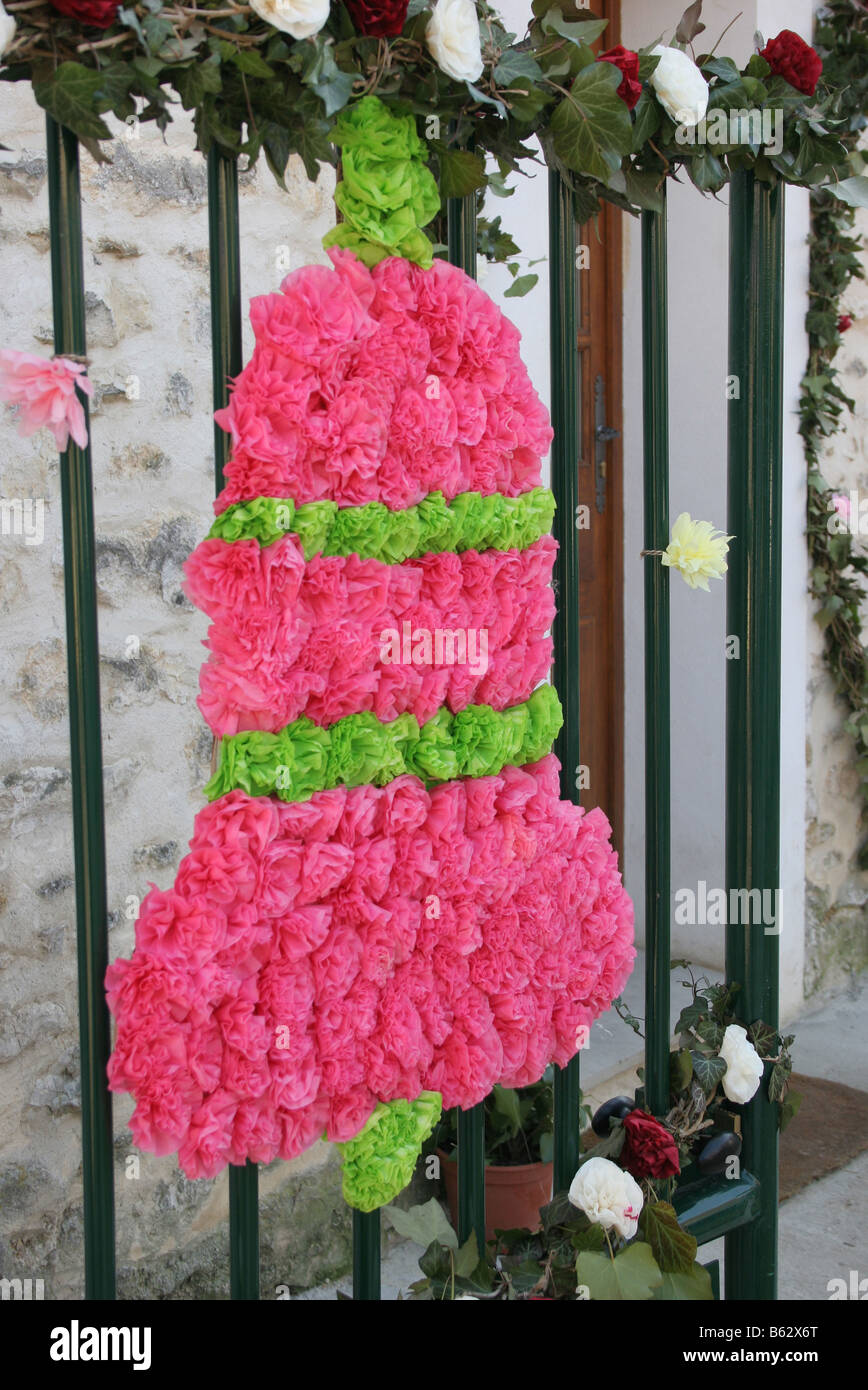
[146,271]
[836,946]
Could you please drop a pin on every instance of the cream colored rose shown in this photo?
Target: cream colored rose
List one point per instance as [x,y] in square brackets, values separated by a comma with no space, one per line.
[7,29]
[300,18]
[681,89]
[608,1196]
[744,1067]
[453,38]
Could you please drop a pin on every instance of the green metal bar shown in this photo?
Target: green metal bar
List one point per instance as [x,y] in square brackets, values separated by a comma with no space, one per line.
[225,261]
[82,654]
[655,399]
[226,348]
[366,1256]
[713,1206]
[564,357]
[461,236]
[753,686]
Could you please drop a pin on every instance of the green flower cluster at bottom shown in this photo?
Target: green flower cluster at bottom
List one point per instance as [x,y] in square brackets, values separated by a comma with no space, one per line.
[378,1162]
[303,758]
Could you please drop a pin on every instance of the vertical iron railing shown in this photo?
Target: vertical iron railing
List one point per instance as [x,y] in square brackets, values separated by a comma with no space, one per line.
[753,687]
[82,654]
[461,237]
[564,356]
[655,412]
[226,358]
[745,1209]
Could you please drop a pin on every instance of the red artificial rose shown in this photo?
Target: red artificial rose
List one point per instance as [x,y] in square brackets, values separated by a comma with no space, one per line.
[378,18]
[99,14]
[627,63]
[649,1149]
[790,57]
[844,322]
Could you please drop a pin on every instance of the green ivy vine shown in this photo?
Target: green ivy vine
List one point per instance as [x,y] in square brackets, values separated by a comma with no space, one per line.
[838,567]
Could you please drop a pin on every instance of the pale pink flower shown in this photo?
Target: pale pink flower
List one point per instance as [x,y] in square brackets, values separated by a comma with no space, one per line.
[45,393]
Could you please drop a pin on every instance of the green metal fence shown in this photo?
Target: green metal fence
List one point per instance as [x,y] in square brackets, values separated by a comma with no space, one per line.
[745,1208]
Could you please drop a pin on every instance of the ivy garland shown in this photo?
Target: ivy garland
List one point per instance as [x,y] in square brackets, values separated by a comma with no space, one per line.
[255,90]
[838,567]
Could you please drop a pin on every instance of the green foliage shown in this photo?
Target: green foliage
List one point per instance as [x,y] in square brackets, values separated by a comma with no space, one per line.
[568,1259]
[254,90]
[838,568]
[519,1124]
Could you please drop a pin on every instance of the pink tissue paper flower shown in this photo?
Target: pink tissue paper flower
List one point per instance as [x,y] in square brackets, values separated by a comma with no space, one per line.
[45,393]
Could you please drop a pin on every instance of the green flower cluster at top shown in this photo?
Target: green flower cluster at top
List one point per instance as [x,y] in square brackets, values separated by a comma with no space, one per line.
[303,758]
[386,193]
[379,1161]
[373,532]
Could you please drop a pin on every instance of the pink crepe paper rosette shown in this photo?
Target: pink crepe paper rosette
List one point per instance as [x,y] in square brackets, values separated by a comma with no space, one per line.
[45,392]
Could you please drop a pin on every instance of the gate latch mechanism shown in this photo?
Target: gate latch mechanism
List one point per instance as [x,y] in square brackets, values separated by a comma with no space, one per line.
[603,433]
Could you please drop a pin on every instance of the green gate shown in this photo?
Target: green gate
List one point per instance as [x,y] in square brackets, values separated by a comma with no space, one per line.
[743,1209]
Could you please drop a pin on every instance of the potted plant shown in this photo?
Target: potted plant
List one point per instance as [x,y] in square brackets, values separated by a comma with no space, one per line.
[519,1131]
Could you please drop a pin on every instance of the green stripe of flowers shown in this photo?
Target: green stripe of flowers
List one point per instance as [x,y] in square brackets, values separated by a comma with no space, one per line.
[303,758]
[373,532]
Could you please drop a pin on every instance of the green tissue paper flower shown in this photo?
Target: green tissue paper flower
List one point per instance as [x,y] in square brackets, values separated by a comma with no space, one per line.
[387,193]
[359,749]
[379,1161]
[373,532]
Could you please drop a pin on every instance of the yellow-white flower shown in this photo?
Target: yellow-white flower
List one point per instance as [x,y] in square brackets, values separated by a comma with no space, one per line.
[696,550]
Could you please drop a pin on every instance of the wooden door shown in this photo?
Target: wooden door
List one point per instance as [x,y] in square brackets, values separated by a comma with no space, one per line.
[601,536]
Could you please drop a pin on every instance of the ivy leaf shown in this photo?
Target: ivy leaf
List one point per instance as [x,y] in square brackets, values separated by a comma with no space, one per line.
[690,1015]
[194,81]
[763,1037]
[853,192]
[461,173]
[467,1257]
[69,96]
[647,120]
[331,84]
[527,100]
[779,1078]
[673,1248]
[585,32]
[487,100]
[790,1107]
[248,61]
[694,1286]
[680,1070]
[425,1224]
[632,1276]
[521,286]
[689,24]
[592,129]
[708,1071]
[514,63]
[724,68]
[706,171]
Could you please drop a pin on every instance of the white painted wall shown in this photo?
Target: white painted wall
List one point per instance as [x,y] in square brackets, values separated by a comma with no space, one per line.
[698,255]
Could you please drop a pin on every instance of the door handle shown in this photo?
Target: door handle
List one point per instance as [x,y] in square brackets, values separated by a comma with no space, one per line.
[603,434]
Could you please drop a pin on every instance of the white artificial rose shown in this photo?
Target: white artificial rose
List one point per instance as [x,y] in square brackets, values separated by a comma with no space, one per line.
[680,86]
[744,1066]
[7,29]
[608,1196]
[300,18]
[453,38]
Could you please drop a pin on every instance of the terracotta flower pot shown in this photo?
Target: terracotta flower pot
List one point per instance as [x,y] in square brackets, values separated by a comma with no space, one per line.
[513,1195]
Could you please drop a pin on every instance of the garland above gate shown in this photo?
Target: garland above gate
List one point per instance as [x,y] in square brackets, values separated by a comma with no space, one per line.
[271,77]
